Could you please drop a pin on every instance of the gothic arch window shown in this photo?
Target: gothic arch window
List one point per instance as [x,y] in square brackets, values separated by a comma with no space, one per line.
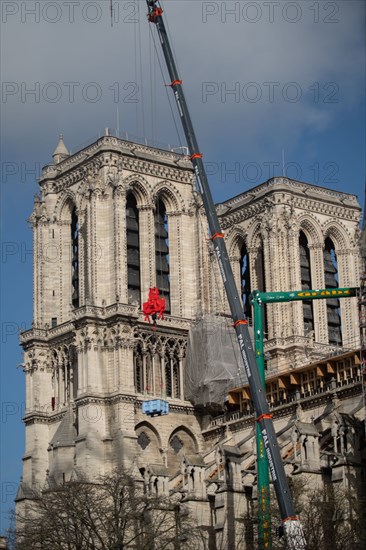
[149,361]
[65,377]
[306,284]
[175,374]
[181,442]
[147,375]
[245,281]
[333,304]
[261,278]
[162,252]
[75,258]
[138,369]
[133,250]
[148,441]
[74,374]
[168,375]
[172,372]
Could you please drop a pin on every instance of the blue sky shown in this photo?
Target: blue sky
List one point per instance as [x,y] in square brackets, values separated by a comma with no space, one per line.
[260,77]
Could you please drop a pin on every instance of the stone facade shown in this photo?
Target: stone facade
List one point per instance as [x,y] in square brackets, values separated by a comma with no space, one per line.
[91,359]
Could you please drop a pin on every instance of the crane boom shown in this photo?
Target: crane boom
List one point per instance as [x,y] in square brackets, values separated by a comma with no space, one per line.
[292,525]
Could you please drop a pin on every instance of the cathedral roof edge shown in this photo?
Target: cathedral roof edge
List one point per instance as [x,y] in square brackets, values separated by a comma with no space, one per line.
[308,190]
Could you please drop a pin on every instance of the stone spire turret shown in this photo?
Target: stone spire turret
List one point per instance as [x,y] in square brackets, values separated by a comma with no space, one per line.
[61,152]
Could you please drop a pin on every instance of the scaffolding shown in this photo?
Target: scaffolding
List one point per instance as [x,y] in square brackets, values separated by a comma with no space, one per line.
[213,362]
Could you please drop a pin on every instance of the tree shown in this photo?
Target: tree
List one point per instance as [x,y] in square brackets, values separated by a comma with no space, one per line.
[333,518]
[112,513]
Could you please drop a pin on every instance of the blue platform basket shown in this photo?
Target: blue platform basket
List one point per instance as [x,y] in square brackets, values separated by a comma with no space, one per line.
[155,407]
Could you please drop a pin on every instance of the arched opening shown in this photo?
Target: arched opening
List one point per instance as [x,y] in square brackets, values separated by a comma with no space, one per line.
[333,304]
[74,374]
[181,442]
[261,278]
[139,369]
[168,374]
[162,252]
[245,281]
[305,267]
[148,443]
[75,298]
[172,373]
[133,251]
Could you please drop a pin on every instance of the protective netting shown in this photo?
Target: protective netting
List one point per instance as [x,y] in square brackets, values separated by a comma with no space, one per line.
[213,363]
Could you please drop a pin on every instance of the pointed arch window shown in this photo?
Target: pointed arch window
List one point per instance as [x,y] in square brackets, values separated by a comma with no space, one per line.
[138,369]
[133,250]
[168,375]
[175,374]
[172,370]
[333,304]
[245,281]
[305,268]
[162,252]
[261,278]
[75,258]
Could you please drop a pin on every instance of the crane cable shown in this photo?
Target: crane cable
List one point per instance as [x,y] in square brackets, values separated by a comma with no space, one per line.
[166,88]
[152,75]
[141,72]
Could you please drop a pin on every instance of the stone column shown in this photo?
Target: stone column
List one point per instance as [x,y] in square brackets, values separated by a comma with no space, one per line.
[297,317]
[190,299]
[175,262]
[41,254]
[269,269]
[92,290]
[163,377]
[82,259]
[318,281]
[349,306]
[37,271]
[120,244]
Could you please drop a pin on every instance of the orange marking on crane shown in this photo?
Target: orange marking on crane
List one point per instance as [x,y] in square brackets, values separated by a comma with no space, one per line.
[241,322]
[262,416]
[217,236]
[196,156]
